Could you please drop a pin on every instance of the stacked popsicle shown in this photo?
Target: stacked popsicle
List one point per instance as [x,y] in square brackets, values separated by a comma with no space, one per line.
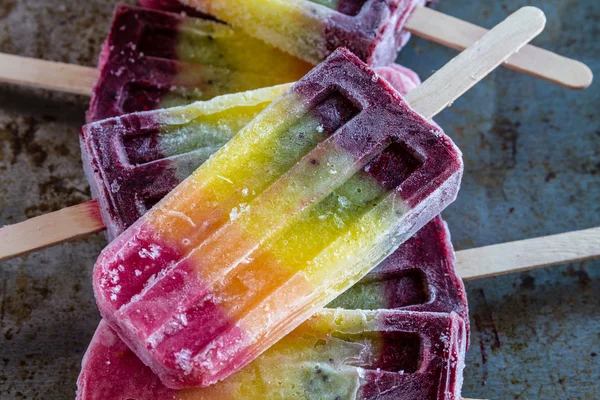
[133,162]
[155,59]
[230,262]
[163,46]
[394,285]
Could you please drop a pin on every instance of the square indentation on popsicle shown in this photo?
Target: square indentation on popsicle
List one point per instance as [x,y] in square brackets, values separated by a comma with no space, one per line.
[393,166]
[141,97]
[143,148]
[159,42]
[393,290]
[408,289]
[390,351]
[334,111]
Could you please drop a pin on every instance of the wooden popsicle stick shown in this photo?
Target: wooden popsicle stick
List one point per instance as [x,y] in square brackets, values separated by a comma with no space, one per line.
[476,62]
[424,22]
[457,34]
[49,75]
[49,229]
[528,254]
[499,259]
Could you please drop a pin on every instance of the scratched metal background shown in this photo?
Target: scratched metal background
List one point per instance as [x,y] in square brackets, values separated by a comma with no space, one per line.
[532,153]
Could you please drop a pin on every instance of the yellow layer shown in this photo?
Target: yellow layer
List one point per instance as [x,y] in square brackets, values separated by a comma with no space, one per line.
[295,26]
[210,43]
[286,256]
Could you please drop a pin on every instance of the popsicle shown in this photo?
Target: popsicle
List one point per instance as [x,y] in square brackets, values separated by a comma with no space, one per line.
[419,280]
[340,153]
[341,162]
[154,59]
[97,215]
[337,354]
[312,29]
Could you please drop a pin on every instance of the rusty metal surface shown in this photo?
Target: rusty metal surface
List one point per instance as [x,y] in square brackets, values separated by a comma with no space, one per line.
[532,153]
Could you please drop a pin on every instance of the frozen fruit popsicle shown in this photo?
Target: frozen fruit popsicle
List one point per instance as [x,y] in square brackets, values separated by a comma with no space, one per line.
[311,30]
[341,154]
[153,59]
[337,354]
[419,279]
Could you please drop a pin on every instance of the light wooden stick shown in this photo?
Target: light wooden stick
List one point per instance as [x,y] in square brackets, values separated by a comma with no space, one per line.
[457,34]
[424,22]
[49,75]
[476,62]
[49,229]
[528,254]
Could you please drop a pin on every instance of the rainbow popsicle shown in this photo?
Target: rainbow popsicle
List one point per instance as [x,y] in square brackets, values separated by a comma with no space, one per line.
[341,154]
[154,59]
[312,29]
[336,354]
[418,280]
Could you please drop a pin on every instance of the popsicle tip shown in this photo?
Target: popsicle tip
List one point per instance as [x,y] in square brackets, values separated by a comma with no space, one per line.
[534,14]
[582,76]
